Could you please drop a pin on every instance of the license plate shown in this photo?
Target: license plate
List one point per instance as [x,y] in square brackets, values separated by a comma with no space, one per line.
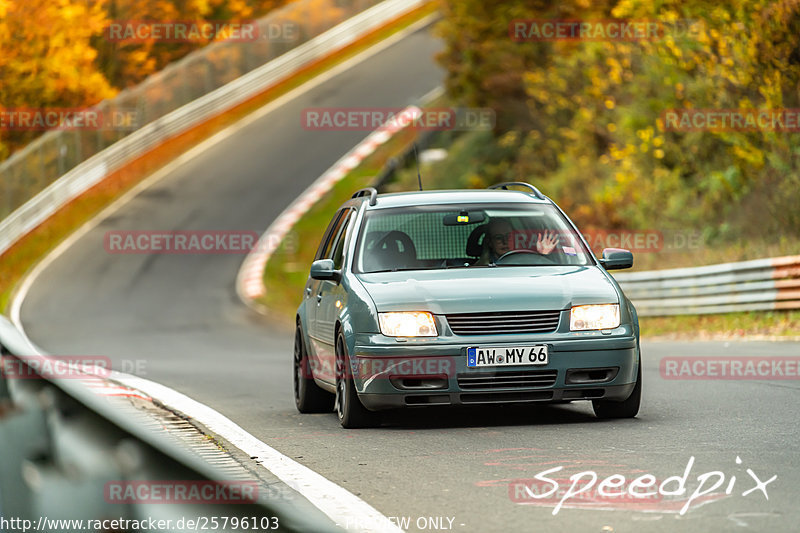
[479,356]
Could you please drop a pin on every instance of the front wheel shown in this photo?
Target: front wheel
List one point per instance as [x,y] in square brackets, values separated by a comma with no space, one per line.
[349,409]
[308,396]
[621,409]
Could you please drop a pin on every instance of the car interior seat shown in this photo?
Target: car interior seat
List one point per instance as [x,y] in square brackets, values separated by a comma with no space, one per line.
[389,251]
[475,241]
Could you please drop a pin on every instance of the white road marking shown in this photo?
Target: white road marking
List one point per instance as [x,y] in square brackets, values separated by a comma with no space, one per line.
[342,506]
[737,518]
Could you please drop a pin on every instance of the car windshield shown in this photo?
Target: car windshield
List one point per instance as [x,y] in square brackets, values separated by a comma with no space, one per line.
[470,236]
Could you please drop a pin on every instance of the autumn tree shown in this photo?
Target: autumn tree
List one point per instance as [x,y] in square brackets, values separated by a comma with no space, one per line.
[127,63]
[584,118]
[46,58]
[56,53]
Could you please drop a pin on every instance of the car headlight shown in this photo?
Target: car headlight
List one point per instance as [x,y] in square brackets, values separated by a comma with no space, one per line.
[604,316]
[407,324]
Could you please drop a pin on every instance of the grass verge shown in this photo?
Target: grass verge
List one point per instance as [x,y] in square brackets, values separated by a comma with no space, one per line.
[774,325]
[25,253]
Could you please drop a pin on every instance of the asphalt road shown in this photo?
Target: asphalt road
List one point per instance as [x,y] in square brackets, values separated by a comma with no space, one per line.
[178,318]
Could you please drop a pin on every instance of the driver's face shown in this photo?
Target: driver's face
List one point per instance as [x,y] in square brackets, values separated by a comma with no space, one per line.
[499,238]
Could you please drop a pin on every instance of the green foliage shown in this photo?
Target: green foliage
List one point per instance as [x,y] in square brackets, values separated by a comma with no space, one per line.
[583,119]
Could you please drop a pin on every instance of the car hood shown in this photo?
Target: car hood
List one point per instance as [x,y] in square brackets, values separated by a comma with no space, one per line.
[473,290]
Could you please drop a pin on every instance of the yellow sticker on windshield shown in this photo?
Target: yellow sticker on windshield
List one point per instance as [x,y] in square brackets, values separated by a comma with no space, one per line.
[463,218]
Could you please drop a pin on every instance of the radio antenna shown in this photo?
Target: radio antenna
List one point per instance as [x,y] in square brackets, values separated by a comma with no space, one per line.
[416,156]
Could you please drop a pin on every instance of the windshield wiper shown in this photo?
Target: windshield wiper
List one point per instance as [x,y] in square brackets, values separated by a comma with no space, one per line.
[394,270]
[416,268]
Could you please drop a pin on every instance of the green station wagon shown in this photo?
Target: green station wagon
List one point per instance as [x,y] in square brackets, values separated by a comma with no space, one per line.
[462,297]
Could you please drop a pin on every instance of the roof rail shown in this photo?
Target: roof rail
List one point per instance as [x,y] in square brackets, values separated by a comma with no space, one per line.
[506,184]
[373,194]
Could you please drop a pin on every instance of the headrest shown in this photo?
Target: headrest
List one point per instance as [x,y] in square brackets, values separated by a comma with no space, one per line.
[474,242]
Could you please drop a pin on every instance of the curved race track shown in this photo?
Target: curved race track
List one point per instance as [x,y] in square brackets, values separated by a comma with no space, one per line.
[181,316]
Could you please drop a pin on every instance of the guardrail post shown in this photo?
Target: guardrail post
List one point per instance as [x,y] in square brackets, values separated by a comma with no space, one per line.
[5,394]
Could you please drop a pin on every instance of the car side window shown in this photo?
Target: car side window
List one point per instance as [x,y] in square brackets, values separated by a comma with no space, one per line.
[338,254]
[330,235]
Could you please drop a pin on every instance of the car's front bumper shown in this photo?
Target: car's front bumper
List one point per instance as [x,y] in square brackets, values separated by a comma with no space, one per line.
[421,372]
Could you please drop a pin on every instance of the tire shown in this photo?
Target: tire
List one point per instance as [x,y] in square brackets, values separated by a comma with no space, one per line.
[349,409]
[621,409]
[308,396]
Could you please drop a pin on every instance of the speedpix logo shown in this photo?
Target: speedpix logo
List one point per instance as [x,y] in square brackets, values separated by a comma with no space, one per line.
[586,490]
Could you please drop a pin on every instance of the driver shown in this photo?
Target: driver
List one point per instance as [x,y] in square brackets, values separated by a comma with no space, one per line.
[497,241]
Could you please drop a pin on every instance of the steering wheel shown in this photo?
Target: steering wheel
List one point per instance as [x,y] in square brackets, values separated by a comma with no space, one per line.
[511,253]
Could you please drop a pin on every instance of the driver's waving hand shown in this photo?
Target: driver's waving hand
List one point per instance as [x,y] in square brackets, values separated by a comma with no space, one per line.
[497,242]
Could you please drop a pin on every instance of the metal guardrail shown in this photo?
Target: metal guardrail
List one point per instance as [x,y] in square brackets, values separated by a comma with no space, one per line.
[34,182]
[758,285]
[61,445]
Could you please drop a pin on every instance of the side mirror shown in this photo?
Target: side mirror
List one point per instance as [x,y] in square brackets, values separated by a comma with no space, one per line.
[323,269]
[616,258]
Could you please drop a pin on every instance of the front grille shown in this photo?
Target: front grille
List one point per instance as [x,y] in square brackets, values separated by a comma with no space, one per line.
[504,322]
[522,379]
